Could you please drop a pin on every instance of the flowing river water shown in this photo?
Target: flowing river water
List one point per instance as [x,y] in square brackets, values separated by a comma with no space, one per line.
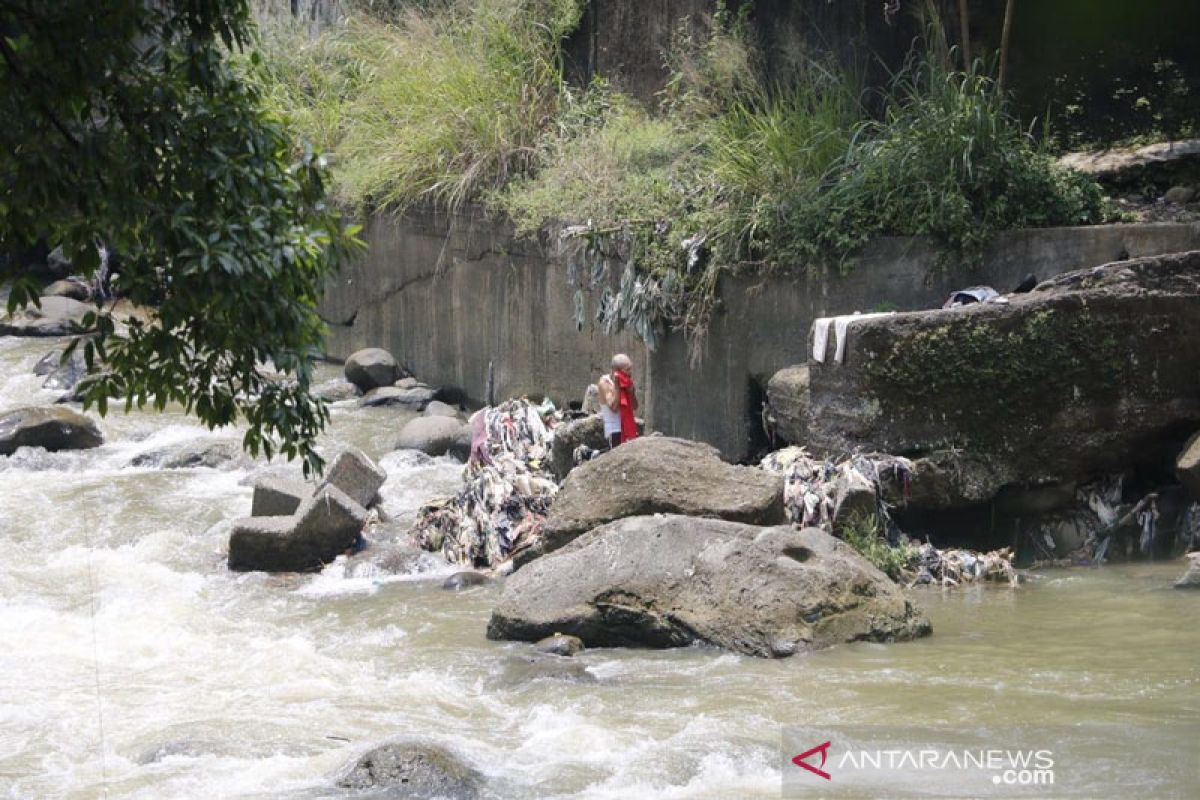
[133,664]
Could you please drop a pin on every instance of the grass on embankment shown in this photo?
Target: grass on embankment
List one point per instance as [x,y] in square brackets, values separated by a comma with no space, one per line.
[466,101]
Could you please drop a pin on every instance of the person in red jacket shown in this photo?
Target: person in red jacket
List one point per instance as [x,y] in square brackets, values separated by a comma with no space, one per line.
[627,401]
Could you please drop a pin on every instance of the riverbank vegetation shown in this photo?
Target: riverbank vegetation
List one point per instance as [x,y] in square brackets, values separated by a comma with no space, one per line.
[455,102]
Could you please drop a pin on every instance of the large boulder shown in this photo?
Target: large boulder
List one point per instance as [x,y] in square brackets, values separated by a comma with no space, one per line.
[657,474]
[787,398]
[52,428]
[1187,466]
[436,436]
[413,770]
[1089,373]
[670,581]
[371,368]
[587,431]
[323,527]
[354,473]
[69,287]
[278,497]
[57,316]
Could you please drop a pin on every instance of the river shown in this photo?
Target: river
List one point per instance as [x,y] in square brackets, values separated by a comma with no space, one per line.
[133,664]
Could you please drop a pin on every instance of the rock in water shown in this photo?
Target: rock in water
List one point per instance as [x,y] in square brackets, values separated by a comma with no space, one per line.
[357,475]
[414,770]
[436,436]
[52,428]
[278,497]
[1081,377]
[416,397]
[560,645]
[324,527]
[58,316]
[1191,578]
[74,289]
[59,375]
[787,396]
[657,474]
[466,579]
[204,453]
[670,581]
[337,389]
[439,409]
[371,368]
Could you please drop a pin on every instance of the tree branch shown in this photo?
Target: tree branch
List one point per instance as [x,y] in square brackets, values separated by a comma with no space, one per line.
[10,58]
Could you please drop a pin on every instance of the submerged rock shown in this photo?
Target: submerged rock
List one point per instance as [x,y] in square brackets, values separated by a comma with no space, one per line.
[466,579]
[670,581]
[657,474]
[60,375]
[414,770]
[371,368]
[523,669]
[1083,376]
[436,436]
[52,428]
[560,645]
[337,389]
[58,316]
[213,454]
[323,527]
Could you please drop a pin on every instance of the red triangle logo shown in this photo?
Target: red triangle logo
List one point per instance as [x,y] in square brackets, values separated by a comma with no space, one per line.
[800,762]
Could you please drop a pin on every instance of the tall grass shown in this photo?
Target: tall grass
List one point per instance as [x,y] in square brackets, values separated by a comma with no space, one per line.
[438,104]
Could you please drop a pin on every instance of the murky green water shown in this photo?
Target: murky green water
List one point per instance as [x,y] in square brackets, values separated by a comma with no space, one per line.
[135,665]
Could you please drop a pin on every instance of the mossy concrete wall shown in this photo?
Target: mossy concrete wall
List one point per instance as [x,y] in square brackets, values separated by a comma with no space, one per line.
[449,293]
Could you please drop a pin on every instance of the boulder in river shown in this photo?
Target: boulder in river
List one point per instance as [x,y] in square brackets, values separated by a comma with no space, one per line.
[415,398]
[57,316]
[323,527]
[658,474]
[414,770]
[52,428]
[331,391]
[1092,371]
[467,579]
[437,408]
[1191,578]
[371,368]
[354,473]
[670,581]
[60,375]
[560,645]
[69,287]
[436,436]
[209,453]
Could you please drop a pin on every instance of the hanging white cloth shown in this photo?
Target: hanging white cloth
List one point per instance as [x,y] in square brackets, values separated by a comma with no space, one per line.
[841,326]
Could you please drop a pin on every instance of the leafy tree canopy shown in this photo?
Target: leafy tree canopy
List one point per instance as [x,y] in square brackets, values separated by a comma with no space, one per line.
[124,126]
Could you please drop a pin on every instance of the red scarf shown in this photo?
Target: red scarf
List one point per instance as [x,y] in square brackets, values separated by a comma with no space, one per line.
[629,430]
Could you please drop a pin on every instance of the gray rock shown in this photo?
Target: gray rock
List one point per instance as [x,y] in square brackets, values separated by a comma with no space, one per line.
[465,580]
[278,497]
[371,368]
[213,454]
[1191,578]
[670,581]
[74,289]
[524,669]
[787,397]
[591,400]
[1187,466]
[416,398]
[436,436]
[1052,387]
[560,645]
[52,428]
[439,409]
[354,473]
[587,431]
[57,316]
[657,474]
[854,499]
[325,526]
[337,389]
[408,382]
[414,770]
[59,375]
[1180,194]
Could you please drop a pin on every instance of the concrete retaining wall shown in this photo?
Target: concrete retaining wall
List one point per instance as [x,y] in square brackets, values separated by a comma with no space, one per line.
[449,293]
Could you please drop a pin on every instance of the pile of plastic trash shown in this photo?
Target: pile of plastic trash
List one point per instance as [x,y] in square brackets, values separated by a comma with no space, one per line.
[507,488]
[810,491]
